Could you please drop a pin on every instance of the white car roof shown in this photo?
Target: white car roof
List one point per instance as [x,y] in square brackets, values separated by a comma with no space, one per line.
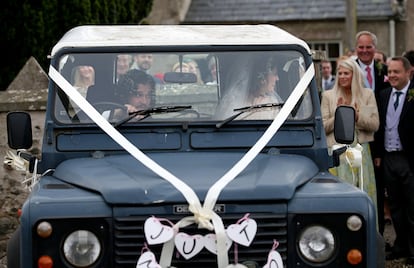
[175,35]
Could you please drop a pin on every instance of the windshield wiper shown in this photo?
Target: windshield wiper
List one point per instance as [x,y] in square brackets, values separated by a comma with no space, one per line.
[156,110]
[247,109]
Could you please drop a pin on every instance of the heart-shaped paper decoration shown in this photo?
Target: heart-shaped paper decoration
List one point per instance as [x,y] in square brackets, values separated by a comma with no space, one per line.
[189,245]
[274,260]
[147,260]
[237,265]
[157,233]
[210,243]
[243,233]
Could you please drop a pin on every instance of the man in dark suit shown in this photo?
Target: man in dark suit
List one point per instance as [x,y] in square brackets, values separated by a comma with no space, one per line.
[375,74]
[394,142]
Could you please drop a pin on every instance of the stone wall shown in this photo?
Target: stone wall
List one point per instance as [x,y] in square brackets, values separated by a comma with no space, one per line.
[28,92]
[168,12]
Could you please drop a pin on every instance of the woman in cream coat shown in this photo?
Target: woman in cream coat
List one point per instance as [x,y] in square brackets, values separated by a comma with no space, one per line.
[349,90]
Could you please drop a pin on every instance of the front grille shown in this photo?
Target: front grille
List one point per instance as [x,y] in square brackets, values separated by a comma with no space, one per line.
[129,240]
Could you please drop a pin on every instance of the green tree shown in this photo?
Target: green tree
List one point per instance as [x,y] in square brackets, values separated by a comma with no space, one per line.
[32,27]
[11,39]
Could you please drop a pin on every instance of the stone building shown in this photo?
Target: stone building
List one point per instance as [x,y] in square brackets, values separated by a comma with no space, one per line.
[27,92]
[328,25]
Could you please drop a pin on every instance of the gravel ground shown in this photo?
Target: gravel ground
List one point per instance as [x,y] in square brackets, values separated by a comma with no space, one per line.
[400,263]
[389,236]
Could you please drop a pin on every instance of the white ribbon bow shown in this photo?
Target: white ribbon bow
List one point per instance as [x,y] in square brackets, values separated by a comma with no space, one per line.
[353,156]
[16,162]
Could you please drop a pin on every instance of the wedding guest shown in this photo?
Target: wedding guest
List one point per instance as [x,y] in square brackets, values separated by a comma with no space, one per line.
[143,62]
[395,154]
[180,67]
[193,68]
[380,57]
[349,90]
[409,54]
[328,80]
[375,74]
[123,63]
[84,77]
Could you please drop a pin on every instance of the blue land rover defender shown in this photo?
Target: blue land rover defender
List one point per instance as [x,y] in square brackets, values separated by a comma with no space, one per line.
[219,161]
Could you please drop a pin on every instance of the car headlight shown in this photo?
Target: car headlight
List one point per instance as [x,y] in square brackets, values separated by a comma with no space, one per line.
[354,223]
[316,244]
[81,248]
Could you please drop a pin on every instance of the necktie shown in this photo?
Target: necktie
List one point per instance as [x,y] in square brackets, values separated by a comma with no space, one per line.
[397,99]
[369,76]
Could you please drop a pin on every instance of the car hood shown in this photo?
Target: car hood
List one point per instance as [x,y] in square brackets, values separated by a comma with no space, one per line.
[121,179]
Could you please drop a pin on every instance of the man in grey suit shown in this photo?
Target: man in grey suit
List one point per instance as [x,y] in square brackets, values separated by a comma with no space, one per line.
[395,153]
[328,80]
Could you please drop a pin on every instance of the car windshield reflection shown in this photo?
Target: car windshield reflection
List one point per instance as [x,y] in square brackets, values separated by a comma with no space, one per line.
[213,85]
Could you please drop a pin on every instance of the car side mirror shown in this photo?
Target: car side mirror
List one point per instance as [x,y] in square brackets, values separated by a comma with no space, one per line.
[344,125]
[344,130]
[19,130]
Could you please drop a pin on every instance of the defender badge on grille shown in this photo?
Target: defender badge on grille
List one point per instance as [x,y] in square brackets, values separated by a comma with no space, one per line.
[183,209]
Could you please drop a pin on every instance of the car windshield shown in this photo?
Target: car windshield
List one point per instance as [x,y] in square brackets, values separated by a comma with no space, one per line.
[155,87]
